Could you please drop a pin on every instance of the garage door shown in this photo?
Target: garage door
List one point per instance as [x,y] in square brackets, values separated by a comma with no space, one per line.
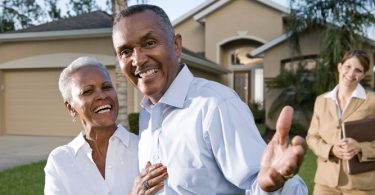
[33,105]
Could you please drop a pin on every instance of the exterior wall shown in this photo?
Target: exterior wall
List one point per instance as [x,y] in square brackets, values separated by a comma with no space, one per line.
[2,101]
[310,44]
[17,50]
[30,103]
[247,19]
[192,33]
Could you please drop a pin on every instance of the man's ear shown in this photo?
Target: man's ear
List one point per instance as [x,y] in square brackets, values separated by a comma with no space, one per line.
[70,108]
[178,44]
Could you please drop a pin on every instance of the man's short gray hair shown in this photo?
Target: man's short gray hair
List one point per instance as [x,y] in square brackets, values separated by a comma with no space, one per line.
[66,74]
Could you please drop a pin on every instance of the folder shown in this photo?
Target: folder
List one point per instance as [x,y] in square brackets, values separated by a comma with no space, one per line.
[362,131]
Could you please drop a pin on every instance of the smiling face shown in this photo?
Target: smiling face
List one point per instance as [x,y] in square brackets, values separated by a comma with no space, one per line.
[147,53]
[351,72]
[93,98]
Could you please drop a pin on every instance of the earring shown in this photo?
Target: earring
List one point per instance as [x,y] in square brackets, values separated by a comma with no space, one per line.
[74,117]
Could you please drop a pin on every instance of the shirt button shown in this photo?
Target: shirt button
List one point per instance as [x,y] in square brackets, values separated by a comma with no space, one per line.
[110,166]
[155,158]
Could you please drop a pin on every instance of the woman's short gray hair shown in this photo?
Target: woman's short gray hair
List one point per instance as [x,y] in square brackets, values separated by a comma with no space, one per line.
[65,75]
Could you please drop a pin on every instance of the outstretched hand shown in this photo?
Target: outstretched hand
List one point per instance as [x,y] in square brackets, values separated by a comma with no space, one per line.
[281,160]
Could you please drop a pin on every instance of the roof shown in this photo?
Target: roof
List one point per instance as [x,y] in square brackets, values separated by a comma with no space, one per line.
[94,24]
[97,19]
[210,6]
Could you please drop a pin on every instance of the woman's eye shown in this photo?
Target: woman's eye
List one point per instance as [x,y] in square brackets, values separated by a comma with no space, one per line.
[86,92]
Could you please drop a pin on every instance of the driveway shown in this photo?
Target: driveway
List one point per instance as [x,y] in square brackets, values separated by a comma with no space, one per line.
[18,150]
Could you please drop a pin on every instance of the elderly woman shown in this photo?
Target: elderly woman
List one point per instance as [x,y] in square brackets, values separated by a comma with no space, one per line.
[103,158]
[348,101]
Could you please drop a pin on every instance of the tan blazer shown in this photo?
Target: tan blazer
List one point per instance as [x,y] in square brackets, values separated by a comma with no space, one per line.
[325,130]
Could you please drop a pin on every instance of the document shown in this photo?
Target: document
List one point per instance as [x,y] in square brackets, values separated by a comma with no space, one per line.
[362,131]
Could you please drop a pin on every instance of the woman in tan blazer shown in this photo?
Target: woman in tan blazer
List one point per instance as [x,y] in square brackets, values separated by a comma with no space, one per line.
[348,101]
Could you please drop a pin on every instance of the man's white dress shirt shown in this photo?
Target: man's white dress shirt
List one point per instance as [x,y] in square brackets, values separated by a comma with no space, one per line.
[207,138]
[71,170]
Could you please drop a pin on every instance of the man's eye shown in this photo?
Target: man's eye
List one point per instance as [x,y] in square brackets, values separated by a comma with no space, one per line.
[125,53]
[150,43]
[107,87]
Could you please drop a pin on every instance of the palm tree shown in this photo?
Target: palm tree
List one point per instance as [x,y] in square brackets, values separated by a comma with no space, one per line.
[344,25]
[295,88]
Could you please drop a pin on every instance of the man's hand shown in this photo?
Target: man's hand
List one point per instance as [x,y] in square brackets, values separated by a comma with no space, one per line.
[281,160]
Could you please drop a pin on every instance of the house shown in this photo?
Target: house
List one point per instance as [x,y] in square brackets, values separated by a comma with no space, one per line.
[239,43]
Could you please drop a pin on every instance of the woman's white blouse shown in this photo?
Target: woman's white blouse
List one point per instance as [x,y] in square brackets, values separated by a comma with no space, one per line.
[70,168]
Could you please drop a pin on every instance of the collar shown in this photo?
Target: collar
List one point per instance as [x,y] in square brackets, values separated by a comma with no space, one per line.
[359,92]
[80,143]
[177,91]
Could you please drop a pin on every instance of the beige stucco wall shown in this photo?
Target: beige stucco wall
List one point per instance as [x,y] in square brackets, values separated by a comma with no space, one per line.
[240,19]
[2,122]
[192,33]
[310,45]
[16,50]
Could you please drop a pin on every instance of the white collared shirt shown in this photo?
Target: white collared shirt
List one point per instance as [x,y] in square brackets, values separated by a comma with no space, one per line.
[207,138]
[71,170]
[359,92]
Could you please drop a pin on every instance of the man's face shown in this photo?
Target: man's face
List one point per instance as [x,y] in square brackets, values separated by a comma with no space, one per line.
[147,53]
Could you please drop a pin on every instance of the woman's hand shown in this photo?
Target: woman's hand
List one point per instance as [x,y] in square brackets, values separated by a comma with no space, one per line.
[150,180]
[346,148]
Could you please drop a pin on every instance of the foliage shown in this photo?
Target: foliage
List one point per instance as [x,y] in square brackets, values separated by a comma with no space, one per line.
[25,179]
[296,90]
[258,112]
[343,27]
[133,122]
[79,7]
[18,13]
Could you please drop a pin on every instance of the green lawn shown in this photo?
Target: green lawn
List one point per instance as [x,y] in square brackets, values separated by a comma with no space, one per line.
[26,179]
[29,179]
[307,170]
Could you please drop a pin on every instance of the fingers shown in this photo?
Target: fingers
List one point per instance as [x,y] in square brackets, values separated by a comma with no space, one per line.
[149,168]
[151,178]
[269,179]
[284,122]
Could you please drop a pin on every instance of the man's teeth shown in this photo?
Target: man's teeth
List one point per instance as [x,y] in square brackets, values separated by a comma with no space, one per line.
[104,108]
[148,73]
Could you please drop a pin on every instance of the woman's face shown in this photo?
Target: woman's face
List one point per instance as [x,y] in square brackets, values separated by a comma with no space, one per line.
[351,72]
[93,98]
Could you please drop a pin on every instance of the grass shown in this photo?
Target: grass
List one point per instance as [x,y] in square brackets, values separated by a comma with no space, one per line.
[25,179]
[307,170]
[29,179]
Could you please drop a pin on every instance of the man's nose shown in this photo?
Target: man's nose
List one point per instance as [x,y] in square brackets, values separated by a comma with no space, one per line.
[139,57]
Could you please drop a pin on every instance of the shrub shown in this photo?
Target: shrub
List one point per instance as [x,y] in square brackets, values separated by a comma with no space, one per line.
[133,122]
